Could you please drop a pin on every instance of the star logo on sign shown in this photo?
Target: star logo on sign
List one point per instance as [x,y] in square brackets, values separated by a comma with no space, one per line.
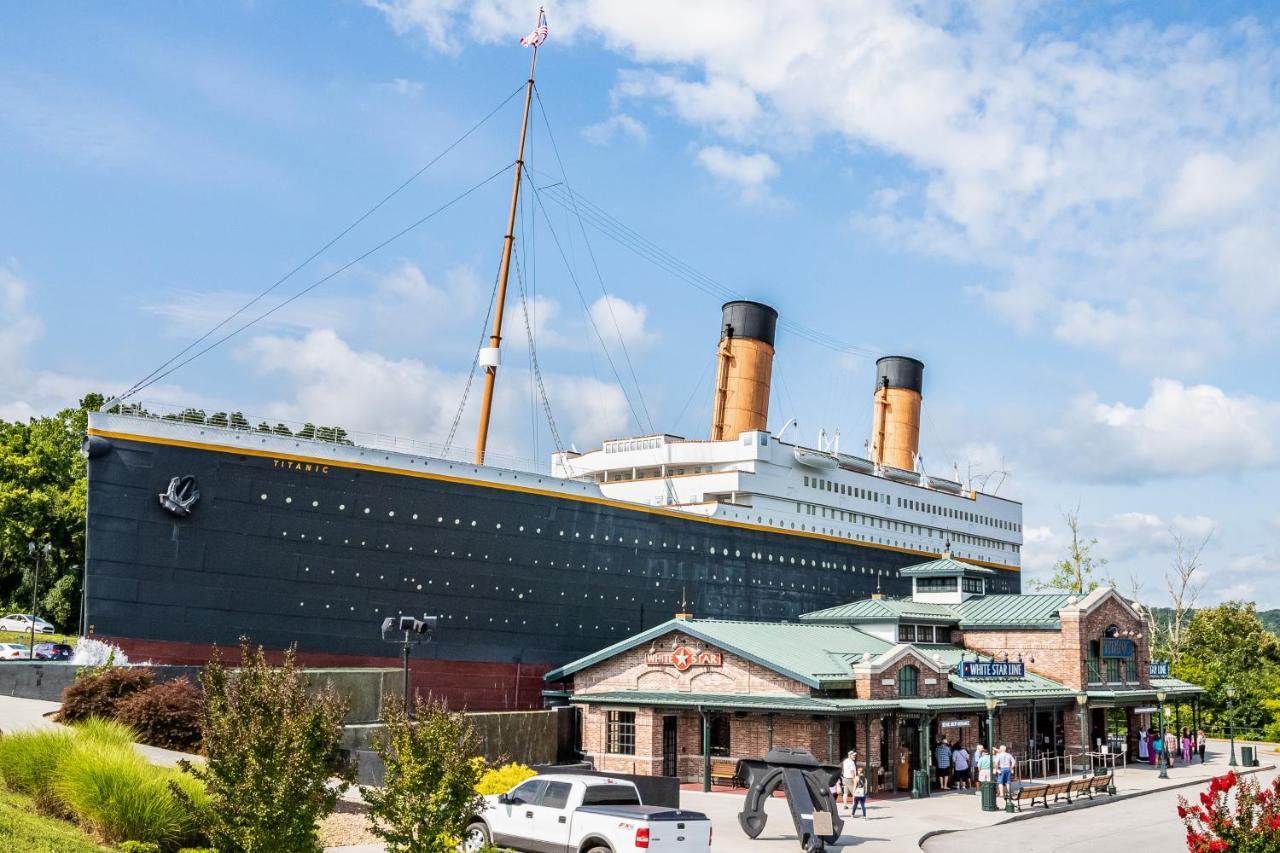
[682,658]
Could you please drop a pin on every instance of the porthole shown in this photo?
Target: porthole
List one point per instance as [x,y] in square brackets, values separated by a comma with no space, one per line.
[264,497]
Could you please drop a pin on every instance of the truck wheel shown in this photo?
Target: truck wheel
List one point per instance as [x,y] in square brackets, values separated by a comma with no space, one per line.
[599,850]
[476,837]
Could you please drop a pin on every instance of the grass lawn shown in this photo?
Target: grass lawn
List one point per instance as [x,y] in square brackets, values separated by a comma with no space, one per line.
[24,637]
[22,829]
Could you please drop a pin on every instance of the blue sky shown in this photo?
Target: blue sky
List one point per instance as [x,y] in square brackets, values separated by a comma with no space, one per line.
[1069,215]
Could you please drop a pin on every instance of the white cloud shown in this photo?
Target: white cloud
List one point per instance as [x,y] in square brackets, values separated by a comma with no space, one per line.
[1128,535]
[1179,430]
[26,392]
[1093,168]
[1149,332]
[618,124]
[406,87]
[749,174]
[617,318]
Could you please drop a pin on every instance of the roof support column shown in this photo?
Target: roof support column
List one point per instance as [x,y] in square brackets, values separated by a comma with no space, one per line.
[866,743]
[831,740]
[706,750]
[769,721]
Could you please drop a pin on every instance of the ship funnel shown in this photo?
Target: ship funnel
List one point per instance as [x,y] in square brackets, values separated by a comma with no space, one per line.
[895,426]
[744,371]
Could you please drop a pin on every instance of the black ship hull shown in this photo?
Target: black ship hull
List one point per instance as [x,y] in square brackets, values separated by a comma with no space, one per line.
[299,550]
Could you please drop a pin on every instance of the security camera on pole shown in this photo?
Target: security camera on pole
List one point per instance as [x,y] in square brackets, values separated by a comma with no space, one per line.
[409,631]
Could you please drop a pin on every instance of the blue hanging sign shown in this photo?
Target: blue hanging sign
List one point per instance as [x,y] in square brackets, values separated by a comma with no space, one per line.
[992,669]
[1158,669]
[1117,647]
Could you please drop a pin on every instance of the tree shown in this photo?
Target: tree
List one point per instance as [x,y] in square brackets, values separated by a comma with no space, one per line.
[1228,645]
[429,790]
[271,747]
[1184,592]
[42,500]
[1075,572]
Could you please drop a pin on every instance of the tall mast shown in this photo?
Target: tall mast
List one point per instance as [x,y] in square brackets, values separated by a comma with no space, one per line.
[489,356]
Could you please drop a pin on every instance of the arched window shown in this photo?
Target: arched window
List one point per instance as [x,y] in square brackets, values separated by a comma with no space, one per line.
[908,679]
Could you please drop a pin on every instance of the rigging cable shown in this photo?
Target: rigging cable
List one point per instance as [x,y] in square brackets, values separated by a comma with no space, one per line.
[144,382]
[582,298]
[608,300]
[471,374]
[265,314]
[630,239]
[533,358]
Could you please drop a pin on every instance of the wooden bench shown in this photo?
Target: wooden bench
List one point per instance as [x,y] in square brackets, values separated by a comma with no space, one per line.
[724,771]
[1026,792]
[1097,784]
[1060,790]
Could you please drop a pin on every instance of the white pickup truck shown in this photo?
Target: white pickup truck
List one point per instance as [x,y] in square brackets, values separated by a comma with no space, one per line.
[573,813]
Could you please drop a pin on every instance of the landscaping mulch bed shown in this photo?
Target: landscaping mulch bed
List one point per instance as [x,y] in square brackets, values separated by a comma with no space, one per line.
[347,825]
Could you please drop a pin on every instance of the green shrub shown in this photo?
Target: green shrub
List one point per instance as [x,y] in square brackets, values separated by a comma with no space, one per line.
[97,695]
[22,830]
[108,732]
[165,715]
[28,759]
[197,850]
[271,747]
[499,780]
[139,847]
[114,792]
[429,789]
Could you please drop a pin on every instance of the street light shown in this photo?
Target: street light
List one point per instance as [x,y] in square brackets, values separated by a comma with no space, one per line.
[989,786]
[36,551]
[1231,723]
[414,631]
[1164,740]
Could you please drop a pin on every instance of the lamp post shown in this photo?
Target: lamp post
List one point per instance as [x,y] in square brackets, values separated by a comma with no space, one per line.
[1231,723]
[36,551]
[989,786]
[1164,741]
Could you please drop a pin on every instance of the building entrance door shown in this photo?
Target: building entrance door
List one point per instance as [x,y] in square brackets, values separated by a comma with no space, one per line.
[849,740]
[1047,735]
[669,750]
[908,755]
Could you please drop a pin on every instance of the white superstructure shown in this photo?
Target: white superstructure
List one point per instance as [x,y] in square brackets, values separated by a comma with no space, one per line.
[760,480]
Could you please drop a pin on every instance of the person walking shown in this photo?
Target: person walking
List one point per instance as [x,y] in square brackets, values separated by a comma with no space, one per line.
[1186,745]
[859,794]
[942,758]
[848,773]
[1151,747]
[982,760]
[1201,743]
[960,761]
[1004,770]
[1142,744]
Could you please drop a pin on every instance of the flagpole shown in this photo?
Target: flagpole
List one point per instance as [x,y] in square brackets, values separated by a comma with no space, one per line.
[489,356]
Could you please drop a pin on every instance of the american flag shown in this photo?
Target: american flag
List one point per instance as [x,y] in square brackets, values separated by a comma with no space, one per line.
[539,34]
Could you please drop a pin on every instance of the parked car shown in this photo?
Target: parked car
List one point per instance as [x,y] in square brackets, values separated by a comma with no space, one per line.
[591,814]
[14,651]
[22,622]
[53,651]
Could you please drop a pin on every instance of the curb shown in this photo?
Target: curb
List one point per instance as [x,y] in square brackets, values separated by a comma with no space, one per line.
[1085,804]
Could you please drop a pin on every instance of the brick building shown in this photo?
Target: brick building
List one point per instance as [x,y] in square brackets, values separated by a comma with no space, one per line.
[886,677]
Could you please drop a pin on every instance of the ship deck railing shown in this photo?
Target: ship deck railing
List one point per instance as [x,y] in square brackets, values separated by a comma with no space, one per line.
[329,435]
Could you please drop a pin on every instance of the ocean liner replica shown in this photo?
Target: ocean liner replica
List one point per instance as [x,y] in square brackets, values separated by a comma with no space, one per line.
[199,534]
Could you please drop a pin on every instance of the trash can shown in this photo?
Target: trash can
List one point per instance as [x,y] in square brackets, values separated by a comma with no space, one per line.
[1246,756]
[989,797]
[919,784]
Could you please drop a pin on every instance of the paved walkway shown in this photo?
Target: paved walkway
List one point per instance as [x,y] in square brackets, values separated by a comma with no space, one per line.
[894,825]
[1111,828]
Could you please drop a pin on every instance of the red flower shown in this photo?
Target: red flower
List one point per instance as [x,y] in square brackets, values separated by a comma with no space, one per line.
[1218,846]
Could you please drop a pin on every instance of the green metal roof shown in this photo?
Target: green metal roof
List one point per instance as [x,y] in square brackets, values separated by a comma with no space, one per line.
[944,567]
[882,610]
[1013,611]
[779,703]
[816,655]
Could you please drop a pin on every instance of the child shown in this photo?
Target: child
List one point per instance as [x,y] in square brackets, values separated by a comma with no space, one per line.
[860,794]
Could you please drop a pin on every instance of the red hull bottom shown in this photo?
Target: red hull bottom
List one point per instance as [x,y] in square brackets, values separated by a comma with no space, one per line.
[463,685]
